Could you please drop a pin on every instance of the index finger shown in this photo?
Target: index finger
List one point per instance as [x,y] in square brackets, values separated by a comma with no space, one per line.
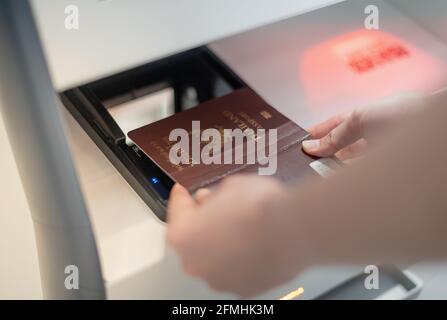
[320,130]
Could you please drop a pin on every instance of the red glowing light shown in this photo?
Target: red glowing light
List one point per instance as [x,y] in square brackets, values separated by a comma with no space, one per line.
[363,66]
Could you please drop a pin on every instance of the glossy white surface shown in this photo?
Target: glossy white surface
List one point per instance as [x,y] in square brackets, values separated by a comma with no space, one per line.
[19,269]
[114,35]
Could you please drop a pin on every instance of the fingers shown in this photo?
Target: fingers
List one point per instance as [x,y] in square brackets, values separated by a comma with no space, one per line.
[352,151]
[180,203]
[322,129]
[351,161]
[346,133]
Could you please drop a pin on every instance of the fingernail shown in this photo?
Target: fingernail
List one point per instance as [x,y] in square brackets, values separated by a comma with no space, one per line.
[311,144]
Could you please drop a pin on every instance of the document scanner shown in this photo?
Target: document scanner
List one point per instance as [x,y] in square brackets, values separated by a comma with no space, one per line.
[191,77]
[323,79]
[124,82]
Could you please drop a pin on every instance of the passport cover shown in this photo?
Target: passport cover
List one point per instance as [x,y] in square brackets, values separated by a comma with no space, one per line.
[240,109]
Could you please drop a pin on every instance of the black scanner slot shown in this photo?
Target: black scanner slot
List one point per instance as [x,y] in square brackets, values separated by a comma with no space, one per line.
[197,69]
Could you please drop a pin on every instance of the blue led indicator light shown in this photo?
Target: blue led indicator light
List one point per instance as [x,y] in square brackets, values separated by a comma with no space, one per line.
[154,180]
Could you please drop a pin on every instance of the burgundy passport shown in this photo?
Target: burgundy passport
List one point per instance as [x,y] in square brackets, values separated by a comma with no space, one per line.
[242,109]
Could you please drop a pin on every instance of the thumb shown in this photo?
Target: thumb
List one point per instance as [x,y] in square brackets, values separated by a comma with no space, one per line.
[202,195]
[180,203]
[345,134]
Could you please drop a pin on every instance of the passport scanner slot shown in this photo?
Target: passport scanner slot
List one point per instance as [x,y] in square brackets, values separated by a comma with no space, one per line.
[107,109]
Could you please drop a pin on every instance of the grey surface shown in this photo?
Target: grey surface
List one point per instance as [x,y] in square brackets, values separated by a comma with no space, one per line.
[31,112]
[115,35]
[430,14]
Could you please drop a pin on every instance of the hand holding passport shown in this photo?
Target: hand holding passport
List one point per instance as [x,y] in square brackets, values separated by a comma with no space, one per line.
[242,109]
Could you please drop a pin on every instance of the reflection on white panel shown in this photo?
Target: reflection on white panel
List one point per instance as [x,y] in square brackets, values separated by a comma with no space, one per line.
[142,111]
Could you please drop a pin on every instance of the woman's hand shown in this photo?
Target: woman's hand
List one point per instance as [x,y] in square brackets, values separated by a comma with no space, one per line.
[232,241]
[347,136]
[225,238]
